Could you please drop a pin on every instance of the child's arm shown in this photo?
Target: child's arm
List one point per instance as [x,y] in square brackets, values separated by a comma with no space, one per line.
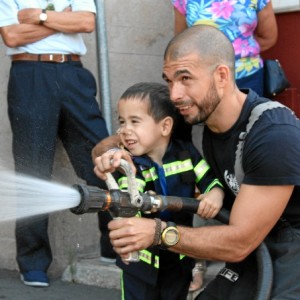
[210,203]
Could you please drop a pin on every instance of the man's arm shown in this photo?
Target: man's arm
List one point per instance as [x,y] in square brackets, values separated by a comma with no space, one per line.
[255,212]
[65,21]
[29,30]
[21,34]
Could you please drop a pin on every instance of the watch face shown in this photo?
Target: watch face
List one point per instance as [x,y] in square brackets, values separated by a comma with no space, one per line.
[43,17]
[171,236]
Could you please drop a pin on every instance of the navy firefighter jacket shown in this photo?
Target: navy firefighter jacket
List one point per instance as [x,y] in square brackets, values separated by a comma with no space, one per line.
[183,168]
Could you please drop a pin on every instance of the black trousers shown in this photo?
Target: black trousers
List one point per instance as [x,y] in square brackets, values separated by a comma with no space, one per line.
[47,101]
[284,246]
[172,283]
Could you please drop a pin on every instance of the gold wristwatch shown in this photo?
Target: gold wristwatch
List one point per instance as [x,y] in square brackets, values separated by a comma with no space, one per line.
[170,236]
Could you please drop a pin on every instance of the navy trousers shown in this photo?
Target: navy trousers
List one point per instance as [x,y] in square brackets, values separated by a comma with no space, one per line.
[47,101]
[254,82]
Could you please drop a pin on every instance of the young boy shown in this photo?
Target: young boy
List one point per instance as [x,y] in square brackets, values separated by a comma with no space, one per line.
[167,166]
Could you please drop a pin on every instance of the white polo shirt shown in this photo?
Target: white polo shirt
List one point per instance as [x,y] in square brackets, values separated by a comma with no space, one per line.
[57,43]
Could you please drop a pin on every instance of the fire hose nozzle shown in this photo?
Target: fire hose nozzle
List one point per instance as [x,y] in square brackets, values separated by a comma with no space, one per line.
[92,199]
[118,203]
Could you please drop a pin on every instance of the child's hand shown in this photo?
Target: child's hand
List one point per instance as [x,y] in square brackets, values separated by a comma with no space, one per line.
[210,203]
[109,161]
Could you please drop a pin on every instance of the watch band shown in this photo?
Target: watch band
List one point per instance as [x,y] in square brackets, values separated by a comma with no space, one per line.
[157,234]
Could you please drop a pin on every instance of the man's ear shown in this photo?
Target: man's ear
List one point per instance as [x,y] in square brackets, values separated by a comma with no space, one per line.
[222,75]
[166,126]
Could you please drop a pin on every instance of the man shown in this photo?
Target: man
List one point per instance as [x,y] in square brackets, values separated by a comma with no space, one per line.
[50,95]
[199,69]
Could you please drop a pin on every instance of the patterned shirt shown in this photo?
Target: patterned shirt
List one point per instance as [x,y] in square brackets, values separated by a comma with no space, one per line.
[237,19]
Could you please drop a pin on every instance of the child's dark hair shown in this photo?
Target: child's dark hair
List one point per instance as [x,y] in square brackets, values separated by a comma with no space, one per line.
[158,97]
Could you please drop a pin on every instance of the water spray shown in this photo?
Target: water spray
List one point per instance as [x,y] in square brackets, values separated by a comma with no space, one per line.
[23,196]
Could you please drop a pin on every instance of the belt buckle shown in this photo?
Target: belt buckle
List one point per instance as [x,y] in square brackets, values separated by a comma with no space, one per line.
[63,58]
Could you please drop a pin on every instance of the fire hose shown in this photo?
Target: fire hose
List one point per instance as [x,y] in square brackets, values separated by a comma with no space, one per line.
[128,203]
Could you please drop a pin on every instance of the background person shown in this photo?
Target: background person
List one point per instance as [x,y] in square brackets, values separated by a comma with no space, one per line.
[270,187]
[250,26]
[50,95]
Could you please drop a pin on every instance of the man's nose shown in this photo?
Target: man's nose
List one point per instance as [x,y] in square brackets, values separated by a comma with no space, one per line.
[176,92]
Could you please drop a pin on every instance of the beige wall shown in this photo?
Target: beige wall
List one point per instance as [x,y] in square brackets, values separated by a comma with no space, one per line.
[137,33]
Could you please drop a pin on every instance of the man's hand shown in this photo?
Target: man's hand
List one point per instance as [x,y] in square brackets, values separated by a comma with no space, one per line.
[131,234]
[109,161]
[106,144]
[29,16]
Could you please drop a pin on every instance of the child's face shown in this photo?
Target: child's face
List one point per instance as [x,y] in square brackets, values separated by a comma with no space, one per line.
[138,131]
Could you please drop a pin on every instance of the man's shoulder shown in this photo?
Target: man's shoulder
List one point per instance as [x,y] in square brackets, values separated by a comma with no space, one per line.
[272,112]
[273,128]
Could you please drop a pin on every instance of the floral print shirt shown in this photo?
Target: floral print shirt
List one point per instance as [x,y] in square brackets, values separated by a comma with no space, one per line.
[237,19]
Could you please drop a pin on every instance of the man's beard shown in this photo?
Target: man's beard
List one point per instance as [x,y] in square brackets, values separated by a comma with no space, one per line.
[206,107]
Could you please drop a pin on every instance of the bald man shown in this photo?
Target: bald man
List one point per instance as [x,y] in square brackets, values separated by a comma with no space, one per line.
[264,205]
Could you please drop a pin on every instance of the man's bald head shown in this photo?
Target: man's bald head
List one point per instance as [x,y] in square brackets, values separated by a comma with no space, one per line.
[209,43]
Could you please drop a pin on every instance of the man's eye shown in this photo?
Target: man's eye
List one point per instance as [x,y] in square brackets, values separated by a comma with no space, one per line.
[184,78]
